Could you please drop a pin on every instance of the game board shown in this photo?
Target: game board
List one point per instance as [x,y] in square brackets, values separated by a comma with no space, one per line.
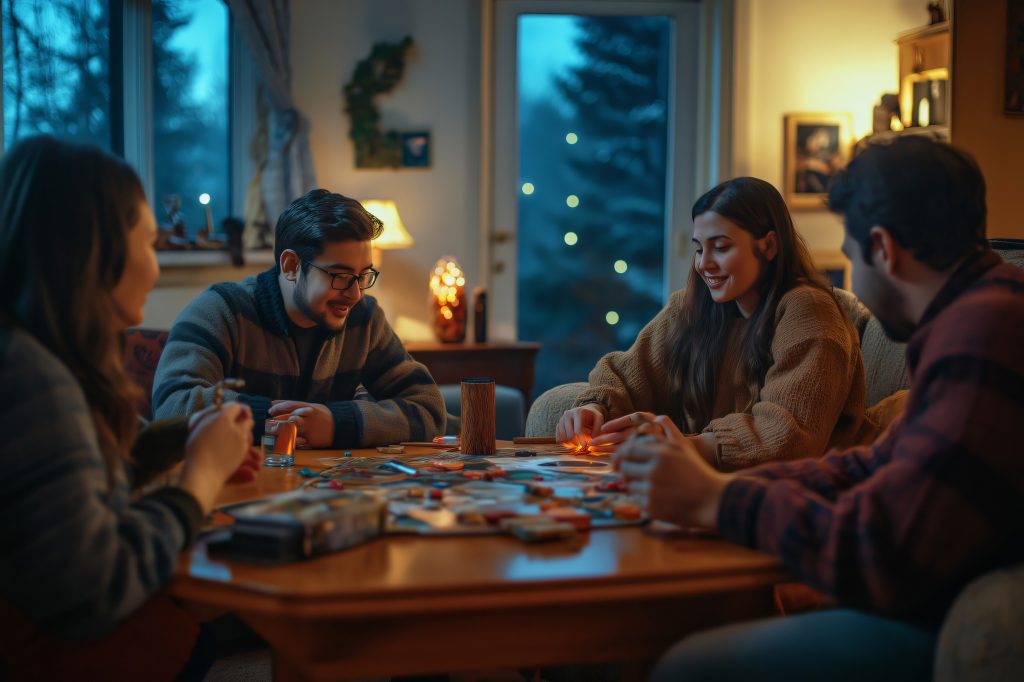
[452,493]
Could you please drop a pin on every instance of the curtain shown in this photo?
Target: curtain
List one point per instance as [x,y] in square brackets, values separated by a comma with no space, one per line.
[281,146]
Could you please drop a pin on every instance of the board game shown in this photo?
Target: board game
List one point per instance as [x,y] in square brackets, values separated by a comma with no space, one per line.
[452,493]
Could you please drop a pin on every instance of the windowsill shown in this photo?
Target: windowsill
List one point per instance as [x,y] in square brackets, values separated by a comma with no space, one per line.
[201,268]
[210,258]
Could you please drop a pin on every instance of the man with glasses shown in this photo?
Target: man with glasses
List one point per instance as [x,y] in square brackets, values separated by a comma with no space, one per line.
[304,337]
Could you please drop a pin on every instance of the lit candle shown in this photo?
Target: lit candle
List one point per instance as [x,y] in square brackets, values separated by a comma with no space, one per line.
[923,112]
[204,199]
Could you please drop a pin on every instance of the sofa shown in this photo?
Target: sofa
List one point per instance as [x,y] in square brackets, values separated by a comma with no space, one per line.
[982,638]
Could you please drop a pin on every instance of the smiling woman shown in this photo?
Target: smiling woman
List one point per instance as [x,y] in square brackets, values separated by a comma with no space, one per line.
[755,355]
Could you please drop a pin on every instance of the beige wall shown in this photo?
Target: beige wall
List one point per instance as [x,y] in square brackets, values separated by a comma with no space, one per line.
[440,93]
[979,124]
[813,56]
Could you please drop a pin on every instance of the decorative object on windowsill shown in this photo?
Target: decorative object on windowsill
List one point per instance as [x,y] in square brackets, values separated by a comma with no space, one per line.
[206,238]
[171,235]
[817,146]
[447,290]
[233,228]
[1014,97]
[936,13]
[375,148]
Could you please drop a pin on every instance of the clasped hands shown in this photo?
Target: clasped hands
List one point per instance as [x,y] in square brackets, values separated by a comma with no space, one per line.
[663,469]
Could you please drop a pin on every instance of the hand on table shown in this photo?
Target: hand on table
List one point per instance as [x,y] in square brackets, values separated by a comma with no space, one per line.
[314,422]
[580,424]
[670,478]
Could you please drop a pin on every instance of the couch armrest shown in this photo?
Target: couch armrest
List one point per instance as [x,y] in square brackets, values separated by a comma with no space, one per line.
[982,638]
[548,408]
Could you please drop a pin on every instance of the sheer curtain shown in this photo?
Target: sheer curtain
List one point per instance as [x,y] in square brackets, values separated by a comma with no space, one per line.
[281,147]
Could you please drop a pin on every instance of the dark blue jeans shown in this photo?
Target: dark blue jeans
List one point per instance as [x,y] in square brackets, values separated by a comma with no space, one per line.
[835,645]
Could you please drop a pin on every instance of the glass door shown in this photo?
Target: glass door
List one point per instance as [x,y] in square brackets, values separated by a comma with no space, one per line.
[590,163]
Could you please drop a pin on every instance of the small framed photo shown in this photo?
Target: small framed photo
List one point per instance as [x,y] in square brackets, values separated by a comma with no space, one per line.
[415,150]
[817,146]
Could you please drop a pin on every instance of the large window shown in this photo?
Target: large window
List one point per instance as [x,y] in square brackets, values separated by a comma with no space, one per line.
[149,79]
[57,70]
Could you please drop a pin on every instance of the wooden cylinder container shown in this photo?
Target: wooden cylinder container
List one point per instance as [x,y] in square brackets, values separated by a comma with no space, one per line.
[478,417]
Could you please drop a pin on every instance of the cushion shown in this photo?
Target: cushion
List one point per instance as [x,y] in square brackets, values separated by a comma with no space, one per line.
[142,349]
[982,638]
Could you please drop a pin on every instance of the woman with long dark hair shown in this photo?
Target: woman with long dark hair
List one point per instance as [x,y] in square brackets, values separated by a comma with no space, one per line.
[755,358]
[85,552]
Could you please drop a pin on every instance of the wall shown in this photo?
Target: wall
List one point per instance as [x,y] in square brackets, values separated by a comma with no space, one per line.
[440,93]
[978,122]
[809,55]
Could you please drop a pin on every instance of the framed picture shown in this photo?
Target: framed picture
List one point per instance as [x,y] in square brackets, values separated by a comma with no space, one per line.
[817,146]
[415,150]
[1013,102]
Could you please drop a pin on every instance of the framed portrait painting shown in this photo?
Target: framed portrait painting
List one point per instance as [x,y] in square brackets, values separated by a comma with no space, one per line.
[817,146]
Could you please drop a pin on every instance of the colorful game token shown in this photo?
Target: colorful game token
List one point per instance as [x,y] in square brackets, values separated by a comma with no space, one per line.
[448,465]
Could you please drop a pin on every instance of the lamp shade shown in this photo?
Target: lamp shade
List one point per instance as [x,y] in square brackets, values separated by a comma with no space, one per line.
[394,235]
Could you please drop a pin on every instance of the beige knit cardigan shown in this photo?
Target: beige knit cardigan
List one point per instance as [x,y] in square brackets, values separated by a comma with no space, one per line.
[812,398]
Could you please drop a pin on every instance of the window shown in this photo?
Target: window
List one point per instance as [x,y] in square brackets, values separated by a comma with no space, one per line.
[147,79]
[190,108]
[56,68]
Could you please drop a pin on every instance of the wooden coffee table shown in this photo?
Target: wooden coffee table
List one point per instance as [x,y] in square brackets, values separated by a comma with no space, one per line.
[408,604]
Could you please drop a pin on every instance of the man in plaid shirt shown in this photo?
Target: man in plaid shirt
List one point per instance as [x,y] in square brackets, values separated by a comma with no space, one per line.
[893,530]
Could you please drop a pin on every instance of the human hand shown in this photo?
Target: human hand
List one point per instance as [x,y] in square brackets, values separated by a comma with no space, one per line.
[246,471]
[618,430]
[314,422]
[671,479]
[579,424]
[218,443]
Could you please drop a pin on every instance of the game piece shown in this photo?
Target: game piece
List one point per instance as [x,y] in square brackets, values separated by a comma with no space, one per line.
[525,453]
[628,510]
[448,465]
[347,453]
[398,466]
[391,449]
[579,519]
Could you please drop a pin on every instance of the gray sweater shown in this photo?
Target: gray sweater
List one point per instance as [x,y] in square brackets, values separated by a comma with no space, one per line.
[78,556]
[241,330]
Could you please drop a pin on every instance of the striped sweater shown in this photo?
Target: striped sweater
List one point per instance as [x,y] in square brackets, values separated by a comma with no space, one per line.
[902,526]
[78,556]
[241,330]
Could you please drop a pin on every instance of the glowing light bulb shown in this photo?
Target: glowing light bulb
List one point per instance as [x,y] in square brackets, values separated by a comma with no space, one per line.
[611,317]
[572,201]
[528,188]
[204,198]
[572,138]
[621,266]
[571,238]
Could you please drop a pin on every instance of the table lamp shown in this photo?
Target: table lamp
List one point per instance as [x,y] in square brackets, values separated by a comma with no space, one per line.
[394,236]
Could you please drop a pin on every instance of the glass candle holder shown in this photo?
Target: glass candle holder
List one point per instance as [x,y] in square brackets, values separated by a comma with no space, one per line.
[447,295]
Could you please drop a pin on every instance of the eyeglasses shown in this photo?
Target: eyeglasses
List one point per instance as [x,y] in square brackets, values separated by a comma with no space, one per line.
[343,281]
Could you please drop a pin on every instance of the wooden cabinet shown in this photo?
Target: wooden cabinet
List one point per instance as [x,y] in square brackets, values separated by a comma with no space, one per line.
[923,56]
[511,364]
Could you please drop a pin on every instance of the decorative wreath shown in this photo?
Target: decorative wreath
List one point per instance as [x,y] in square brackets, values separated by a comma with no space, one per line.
[377,74]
